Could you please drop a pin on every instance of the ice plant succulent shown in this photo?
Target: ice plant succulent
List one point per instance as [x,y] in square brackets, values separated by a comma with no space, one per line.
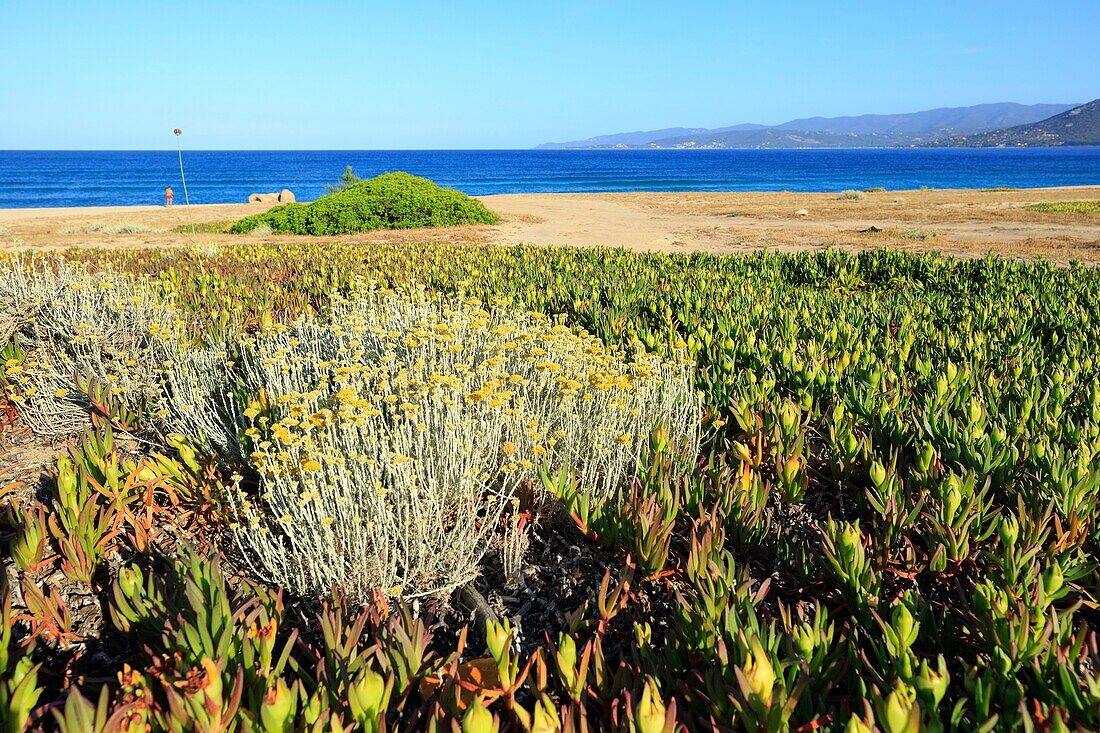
[890,524]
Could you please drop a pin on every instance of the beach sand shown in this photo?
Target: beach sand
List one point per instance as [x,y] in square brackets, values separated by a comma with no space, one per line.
[966,223]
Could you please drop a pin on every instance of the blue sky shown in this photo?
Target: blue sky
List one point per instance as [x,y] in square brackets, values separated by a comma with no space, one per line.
[365,75]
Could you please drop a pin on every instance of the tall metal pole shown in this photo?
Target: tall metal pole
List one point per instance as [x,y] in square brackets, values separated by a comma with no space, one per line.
[186,199]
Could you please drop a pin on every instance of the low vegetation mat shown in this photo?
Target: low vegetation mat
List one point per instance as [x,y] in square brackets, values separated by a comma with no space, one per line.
[481,488]
[389,201]
[1067,207]
[113,229]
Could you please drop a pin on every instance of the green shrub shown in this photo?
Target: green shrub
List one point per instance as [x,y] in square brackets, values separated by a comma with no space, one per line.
[1067,207]
[389,201]
[850,195]
[875,189]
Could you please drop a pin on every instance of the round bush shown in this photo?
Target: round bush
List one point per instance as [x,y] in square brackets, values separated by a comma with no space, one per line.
[389,201]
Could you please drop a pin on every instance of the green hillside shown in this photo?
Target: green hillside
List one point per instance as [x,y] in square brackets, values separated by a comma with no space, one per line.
[1078,126]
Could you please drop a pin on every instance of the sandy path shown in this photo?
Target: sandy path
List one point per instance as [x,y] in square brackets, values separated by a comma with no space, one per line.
[591,221]
[662,222]
[967,223]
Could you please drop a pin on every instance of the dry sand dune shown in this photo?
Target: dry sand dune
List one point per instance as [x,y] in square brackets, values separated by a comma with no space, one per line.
[963,222]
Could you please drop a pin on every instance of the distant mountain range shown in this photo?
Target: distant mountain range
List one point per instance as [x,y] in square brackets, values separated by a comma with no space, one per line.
[955,126]
[1078,126]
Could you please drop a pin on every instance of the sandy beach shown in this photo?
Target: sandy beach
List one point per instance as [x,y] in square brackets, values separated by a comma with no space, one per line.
[967,223]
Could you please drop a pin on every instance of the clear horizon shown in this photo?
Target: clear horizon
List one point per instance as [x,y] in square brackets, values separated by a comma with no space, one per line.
[428,76]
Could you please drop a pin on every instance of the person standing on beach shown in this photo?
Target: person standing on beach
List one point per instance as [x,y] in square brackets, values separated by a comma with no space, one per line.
[168,196]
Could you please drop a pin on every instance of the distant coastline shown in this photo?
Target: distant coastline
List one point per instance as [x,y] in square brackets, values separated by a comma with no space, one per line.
[1005,124]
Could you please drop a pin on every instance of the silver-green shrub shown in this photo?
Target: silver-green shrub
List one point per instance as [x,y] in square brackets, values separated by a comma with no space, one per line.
[391,436]
[73,324]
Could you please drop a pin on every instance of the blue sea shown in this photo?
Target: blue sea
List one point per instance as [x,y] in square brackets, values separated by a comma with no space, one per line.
[100,178]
